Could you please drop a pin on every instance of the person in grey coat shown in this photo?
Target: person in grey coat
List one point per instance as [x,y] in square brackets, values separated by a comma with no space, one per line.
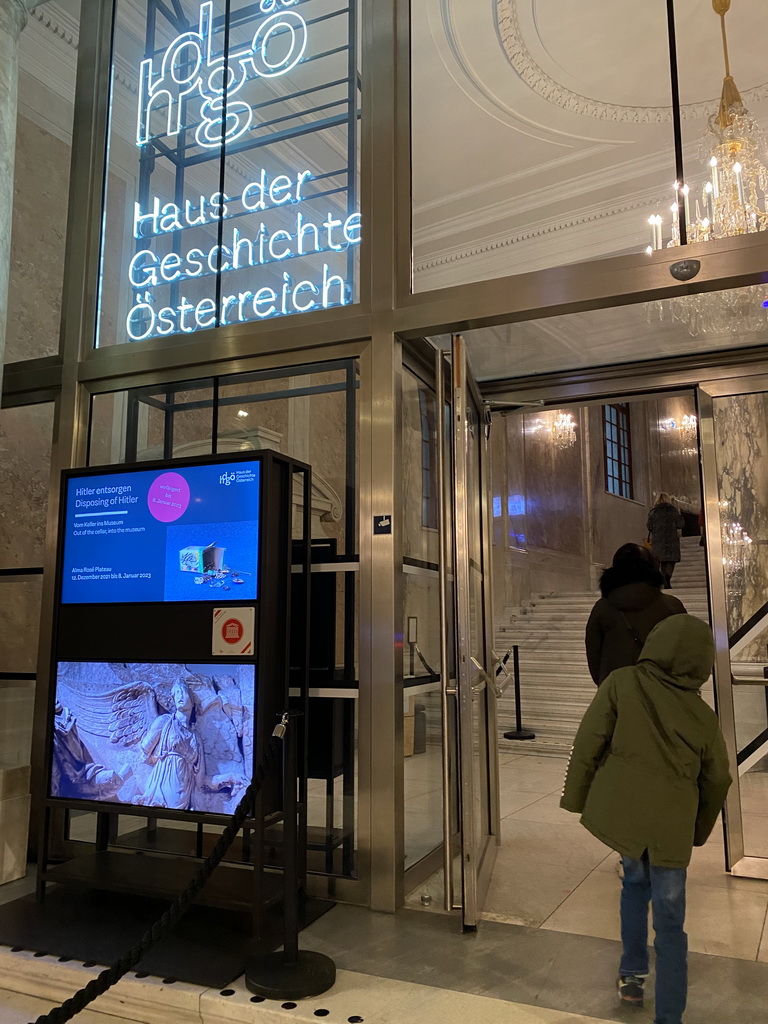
[664,523]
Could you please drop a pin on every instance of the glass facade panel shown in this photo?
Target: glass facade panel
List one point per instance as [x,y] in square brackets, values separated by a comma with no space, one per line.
[422,706]
[310,413]
[529,150]
[233,177]
[724,146]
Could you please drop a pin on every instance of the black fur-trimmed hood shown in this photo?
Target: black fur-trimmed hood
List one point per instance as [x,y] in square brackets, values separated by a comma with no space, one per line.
[642,573]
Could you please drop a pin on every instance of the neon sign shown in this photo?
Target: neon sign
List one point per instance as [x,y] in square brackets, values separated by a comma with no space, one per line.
[190,68]
[276,245]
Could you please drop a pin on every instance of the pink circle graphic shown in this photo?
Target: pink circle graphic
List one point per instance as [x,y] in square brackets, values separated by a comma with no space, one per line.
[168,497]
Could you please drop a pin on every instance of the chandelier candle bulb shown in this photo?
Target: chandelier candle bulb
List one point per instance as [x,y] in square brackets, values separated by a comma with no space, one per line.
[739,182]
[708,197]
[687,207]
[715,183]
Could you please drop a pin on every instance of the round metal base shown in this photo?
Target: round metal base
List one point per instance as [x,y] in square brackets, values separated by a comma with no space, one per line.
[270,976]
[520,734]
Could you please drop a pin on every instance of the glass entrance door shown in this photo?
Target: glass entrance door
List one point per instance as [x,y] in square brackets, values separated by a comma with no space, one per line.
[734,429]
[469,597]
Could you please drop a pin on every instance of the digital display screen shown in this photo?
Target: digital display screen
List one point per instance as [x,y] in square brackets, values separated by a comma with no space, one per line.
[178,737]
[187,534]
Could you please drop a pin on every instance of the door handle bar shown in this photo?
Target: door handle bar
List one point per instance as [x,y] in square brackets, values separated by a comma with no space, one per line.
[502,671]
[484,677]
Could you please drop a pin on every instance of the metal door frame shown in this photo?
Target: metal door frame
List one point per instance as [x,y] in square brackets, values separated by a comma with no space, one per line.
[478,852]
[736,860]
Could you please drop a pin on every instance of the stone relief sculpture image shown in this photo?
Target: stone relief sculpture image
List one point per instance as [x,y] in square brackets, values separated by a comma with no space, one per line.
[156,735]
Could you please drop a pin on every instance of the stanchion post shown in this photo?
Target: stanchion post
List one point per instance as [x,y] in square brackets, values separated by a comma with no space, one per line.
[290,973]
[518,733]
[290,848]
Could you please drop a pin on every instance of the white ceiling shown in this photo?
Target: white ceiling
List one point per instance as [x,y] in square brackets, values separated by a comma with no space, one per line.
[542,128]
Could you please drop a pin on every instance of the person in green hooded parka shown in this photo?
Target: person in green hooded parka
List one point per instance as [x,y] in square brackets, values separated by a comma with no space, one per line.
[649,774]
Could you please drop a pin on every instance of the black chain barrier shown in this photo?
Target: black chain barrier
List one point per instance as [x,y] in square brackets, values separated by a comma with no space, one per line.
[99,985]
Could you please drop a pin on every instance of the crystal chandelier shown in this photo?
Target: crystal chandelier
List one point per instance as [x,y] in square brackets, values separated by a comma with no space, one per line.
[737,550]
[689,430]
[564,431]
[733,200]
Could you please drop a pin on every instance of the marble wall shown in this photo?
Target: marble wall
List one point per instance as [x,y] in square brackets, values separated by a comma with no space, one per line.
[554,495]
[678,454]
[37,243]
[741,440]
[539,509]
[25,460]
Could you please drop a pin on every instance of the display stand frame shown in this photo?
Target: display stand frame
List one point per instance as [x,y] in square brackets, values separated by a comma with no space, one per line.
[155,861]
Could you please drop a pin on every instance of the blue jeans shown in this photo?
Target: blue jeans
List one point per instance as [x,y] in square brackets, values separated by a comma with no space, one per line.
[664,888]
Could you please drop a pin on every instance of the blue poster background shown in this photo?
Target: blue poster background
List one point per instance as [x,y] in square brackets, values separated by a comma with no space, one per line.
[115,550]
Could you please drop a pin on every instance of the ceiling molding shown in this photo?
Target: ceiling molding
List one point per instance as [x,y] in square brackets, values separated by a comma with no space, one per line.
[537,79]
[57,21]
[594,216]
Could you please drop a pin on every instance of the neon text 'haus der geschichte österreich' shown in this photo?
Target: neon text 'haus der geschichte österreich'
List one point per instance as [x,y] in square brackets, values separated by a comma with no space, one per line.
[273,239]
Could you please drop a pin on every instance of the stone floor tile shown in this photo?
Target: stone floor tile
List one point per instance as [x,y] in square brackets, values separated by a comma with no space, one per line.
[548,809]
[720,921]
[512,800]
[533,781]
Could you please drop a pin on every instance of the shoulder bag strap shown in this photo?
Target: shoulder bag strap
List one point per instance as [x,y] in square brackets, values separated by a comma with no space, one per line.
[632,631]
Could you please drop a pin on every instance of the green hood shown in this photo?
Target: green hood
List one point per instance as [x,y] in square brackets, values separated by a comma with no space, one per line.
[681,647]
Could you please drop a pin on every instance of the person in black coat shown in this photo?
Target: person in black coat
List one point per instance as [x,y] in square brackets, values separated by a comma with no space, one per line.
[632,603]
[664,525]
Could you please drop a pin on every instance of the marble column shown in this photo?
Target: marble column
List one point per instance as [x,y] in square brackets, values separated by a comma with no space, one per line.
[13,18]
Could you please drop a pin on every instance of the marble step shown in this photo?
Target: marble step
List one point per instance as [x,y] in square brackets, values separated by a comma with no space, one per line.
[573,674]
[563,727]
[541,687]
[567,725]
[541,691]
[560,619]
[588,600]
[569,709]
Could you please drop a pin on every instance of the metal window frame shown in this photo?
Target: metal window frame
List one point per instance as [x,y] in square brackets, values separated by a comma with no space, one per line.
[623,459]
[372,330]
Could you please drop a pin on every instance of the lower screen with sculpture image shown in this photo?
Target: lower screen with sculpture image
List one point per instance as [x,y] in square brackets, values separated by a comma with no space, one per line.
[172,736]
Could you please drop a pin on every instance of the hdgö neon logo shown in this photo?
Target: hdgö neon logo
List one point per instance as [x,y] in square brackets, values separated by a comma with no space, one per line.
[189,67]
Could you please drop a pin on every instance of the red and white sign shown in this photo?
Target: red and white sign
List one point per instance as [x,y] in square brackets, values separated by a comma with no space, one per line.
[233,631]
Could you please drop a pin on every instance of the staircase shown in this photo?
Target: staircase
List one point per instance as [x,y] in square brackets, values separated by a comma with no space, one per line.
[556,687]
